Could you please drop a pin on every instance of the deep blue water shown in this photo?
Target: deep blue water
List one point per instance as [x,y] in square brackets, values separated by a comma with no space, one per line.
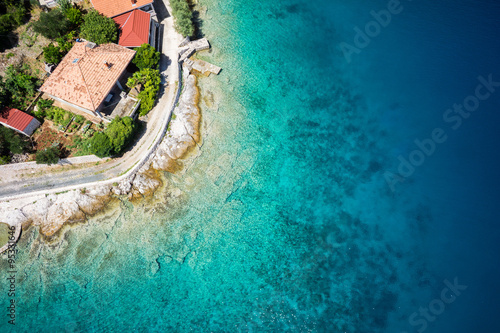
[286,221]
[427,59]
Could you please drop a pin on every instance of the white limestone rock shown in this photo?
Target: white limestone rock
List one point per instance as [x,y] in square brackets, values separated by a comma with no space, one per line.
[144,184]
[183,132]
[123,187]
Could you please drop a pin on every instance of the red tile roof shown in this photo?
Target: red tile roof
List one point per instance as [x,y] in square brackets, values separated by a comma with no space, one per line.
[134,28]
[15,118]
[111,8]
[85,76]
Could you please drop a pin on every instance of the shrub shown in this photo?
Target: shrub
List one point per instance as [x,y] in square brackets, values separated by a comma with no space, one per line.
[47,156]
[4,160]
[98,28]
[79,119]
[120,132]
[74,16]
[52,54]
[146,57]
[52,24]
[18,86]
[101,145]
[11,143]
[150,81]
[183,17]
[114,139]
[12,14]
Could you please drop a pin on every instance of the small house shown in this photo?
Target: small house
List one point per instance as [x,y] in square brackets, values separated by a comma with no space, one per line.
[19,121]
[134,18]
[136,28]
[86,76]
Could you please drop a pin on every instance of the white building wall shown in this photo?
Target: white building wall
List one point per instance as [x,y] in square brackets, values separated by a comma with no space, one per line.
[92,113]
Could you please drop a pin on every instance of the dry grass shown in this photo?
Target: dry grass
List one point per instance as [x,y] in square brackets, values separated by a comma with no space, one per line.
[29,49]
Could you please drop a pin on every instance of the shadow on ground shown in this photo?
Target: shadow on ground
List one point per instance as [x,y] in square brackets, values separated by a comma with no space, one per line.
[161,10]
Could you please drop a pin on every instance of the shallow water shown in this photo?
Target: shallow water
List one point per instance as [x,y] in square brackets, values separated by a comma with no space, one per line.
[285,220]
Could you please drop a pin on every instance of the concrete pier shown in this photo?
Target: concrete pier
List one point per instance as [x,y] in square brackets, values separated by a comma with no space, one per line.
[188,48]
[201,66]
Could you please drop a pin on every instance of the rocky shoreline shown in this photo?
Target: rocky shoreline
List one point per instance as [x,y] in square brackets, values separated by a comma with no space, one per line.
[51,212]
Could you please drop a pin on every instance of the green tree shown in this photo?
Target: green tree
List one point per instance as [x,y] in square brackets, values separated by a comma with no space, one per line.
[147,77]
[183,17]
[100,145]
[98,28]
[148,98]
[150,81]
[114,139]
[65,43]
[12,142]
[146,57]
[12,15]
[52,54]
[19,85]
[47,156]
[3,94]
[52,24]
[65,5]
[119,132]
[43,105]
[74,16]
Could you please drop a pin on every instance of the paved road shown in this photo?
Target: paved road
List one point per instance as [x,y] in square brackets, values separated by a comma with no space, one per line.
[50,179]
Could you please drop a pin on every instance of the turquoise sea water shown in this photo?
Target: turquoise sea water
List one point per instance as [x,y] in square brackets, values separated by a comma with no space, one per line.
[285,220]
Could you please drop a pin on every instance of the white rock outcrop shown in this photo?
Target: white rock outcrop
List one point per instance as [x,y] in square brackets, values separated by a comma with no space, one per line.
[183,130]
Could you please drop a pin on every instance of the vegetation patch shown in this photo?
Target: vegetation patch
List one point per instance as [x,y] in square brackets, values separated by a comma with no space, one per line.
[150,80]
[114,139]
[12,15]
[48,155]
[183,17]
[11,143]
[17,87]
[146,56]
[98,28]
[53,54]
[59,116]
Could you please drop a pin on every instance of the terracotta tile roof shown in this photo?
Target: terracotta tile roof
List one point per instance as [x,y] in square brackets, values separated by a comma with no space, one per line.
[83,78]
[134,28]
[111,8]
[15,118]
